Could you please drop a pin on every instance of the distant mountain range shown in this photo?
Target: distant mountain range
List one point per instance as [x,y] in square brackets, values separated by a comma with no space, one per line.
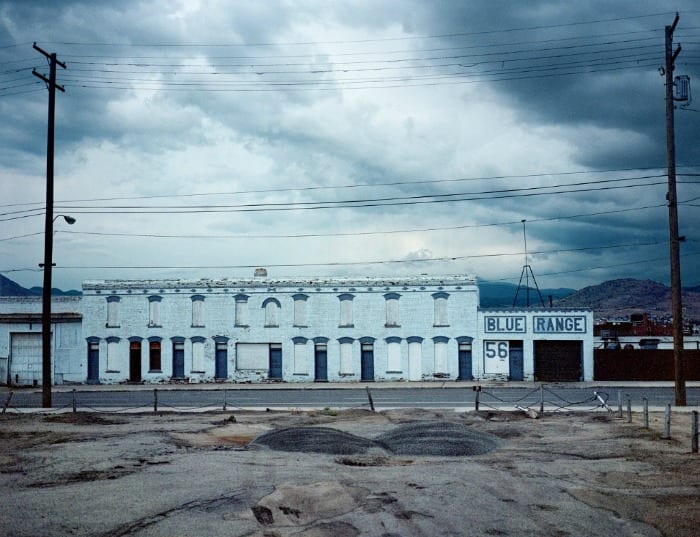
[620,298]
[11,288]
[611,299]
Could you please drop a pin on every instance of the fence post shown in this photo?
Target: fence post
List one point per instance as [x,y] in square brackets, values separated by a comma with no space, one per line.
[74,407]
[667,423]
[477,391]
[369,396]
[541,398]
[694,432]
[645,402]
[7,402]
[155,399]
[629,410]
[224,400]
[619,404]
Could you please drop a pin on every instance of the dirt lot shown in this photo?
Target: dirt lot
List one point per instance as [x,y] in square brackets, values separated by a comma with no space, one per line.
[199,475]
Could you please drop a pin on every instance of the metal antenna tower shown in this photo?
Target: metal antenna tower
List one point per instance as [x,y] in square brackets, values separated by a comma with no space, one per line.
[526,273]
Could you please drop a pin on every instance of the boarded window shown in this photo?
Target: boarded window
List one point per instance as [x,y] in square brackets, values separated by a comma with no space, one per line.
[154,311]
[415,360]
[242,310]
[272,308]
[392,309]
[301,358]
[440,356]
[346,358]
[197,356]
[113,311]
[197,311]
[346,317]
[441,318]
[393,361]
[252,356]
[113,355]
[300,310]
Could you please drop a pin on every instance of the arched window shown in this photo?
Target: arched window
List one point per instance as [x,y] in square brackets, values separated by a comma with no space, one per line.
[272,307]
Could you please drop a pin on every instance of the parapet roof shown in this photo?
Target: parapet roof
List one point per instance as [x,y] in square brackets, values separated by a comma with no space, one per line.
[278,282]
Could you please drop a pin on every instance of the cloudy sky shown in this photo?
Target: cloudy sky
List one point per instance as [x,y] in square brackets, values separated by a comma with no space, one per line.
[347,138]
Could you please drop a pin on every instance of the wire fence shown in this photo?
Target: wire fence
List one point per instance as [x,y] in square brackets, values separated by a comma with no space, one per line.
[535,402]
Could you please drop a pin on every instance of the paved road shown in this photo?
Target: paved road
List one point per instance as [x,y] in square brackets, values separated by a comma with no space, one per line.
[499,397]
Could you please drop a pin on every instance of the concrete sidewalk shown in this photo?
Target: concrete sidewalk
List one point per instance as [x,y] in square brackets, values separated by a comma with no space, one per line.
[64,388]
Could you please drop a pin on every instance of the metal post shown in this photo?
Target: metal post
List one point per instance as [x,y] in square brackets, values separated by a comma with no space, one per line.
[224,400]
[629,410]
[619,404]
[7,402]
[694,432]
[667,423]
[155,399]
[645,402]
[541,398]
[74,407]
[369,397]
[476,398]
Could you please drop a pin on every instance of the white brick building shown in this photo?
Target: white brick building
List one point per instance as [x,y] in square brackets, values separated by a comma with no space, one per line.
[304,330]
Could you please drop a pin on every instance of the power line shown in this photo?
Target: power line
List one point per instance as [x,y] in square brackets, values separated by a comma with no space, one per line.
[346,263]
[344,234]
[356,41]
[367,185]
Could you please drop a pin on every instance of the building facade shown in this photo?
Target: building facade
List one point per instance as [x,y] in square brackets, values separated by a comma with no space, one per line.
[305,330]
[302,330]
[20,340]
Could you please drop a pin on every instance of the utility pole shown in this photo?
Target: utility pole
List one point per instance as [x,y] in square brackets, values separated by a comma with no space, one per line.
[674,238]
[46,373]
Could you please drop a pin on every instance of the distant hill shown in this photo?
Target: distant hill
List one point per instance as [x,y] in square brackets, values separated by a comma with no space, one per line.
[501,295]
[11,288]
[620,298]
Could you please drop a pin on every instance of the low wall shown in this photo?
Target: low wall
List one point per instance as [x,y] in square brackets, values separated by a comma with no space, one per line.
[638,364]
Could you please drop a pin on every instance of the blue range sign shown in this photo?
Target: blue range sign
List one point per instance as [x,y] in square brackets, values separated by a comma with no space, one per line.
[559,324]
[504,324]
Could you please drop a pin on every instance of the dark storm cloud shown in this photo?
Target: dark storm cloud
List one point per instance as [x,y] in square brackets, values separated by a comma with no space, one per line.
[182,140]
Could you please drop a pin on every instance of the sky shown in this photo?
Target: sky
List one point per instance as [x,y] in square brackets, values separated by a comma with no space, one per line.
[203,139]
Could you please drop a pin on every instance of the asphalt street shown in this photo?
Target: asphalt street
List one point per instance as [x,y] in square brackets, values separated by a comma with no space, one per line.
[188,397]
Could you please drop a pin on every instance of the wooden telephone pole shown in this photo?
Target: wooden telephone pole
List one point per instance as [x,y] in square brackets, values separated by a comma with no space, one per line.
[674,238]
[46,373]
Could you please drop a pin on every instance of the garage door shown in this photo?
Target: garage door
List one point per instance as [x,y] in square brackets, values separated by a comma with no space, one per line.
[25,359]
[558,361]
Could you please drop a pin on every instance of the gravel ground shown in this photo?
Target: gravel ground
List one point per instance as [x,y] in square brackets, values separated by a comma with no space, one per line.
[177,475]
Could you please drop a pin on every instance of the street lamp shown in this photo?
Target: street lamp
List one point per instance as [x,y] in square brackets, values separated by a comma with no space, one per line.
[46,374]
